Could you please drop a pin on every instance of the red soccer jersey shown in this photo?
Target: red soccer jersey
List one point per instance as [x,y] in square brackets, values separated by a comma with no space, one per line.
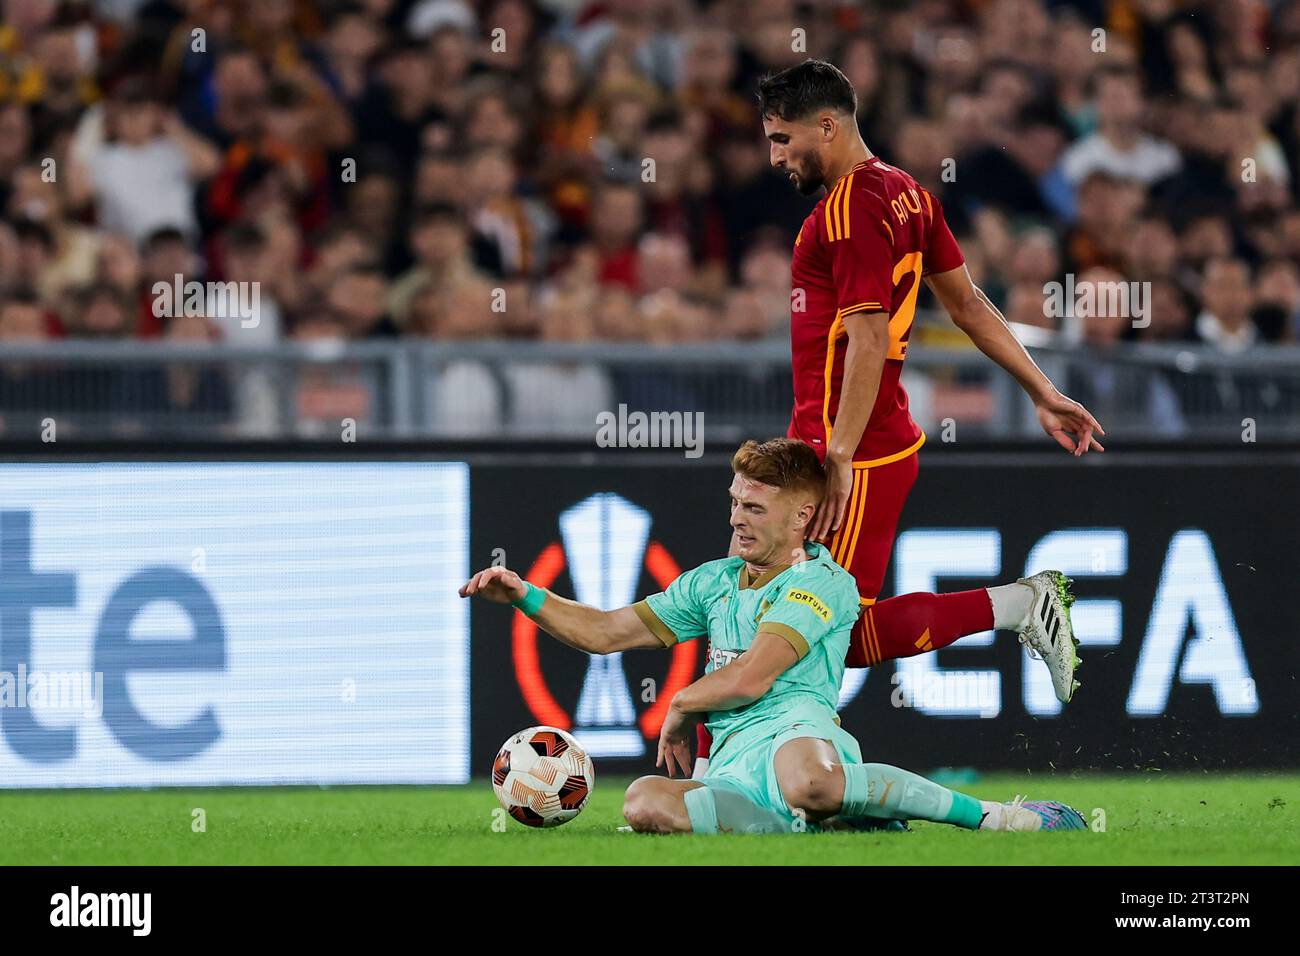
[863,249]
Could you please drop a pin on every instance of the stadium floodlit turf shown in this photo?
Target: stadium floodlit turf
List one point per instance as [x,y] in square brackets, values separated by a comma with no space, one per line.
[1149,819]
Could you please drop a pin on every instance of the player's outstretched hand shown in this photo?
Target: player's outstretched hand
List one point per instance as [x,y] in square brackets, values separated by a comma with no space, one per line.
[1069,423]
[498,584]
[674,742]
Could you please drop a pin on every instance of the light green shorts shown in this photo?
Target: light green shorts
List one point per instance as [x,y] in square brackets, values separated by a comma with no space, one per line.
[746,760]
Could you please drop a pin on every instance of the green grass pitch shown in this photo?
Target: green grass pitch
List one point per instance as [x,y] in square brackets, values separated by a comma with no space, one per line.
[1149,819]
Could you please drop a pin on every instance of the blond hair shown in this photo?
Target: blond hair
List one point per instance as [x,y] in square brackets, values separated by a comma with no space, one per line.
[782,463]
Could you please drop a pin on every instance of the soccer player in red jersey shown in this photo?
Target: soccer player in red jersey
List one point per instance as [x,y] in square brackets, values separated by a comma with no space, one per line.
[858,263]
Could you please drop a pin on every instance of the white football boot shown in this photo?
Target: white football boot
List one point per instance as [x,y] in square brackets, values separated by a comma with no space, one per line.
[1031,816]
[1010,817]
[1048,634]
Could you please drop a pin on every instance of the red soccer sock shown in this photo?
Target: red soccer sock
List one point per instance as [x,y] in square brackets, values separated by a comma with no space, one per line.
[912,624]
[703,741]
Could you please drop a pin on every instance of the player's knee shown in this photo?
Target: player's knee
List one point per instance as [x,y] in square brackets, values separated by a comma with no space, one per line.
[649,808]
[816,788]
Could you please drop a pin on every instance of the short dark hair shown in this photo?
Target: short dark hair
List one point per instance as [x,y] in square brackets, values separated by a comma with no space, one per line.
[812,85]
[34,230]
[97,290]
[163,236]
[437,212]
[26,298]
[136,89]
[1113,71]
[245,236]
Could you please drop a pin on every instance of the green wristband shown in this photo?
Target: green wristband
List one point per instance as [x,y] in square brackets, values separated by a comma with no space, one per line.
[531,602]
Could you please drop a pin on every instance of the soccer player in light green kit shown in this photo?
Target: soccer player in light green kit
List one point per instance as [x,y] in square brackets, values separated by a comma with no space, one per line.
[777,614]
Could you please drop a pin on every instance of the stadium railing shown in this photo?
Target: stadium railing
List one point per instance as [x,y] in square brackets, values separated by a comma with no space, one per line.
[402,389]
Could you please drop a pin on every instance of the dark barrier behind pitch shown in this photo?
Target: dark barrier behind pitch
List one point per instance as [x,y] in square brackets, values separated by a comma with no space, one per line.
[1184,566]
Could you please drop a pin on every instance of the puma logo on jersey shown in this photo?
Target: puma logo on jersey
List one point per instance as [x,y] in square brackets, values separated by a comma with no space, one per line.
[809,601]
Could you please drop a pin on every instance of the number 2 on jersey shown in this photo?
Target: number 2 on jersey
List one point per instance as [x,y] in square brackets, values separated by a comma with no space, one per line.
[901,321]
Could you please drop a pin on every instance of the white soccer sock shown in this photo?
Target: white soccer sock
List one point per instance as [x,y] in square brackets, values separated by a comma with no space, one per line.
[1011,606]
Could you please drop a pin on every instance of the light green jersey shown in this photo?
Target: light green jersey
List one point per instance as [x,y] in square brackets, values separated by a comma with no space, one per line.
[812,604]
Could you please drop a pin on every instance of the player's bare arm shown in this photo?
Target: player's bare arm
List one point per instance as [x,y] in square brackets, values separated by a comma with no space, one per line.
[741,682]
[578,625]
[868,335]
[971,311]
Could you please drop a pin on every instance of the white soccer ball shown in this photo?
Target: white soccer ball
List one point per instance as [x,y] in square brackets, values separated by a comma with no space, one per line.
[543,777]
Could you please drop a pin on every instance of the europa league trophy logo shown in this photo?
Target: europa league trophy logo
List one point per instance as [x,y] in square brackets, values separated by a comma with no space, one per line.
[604,541]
